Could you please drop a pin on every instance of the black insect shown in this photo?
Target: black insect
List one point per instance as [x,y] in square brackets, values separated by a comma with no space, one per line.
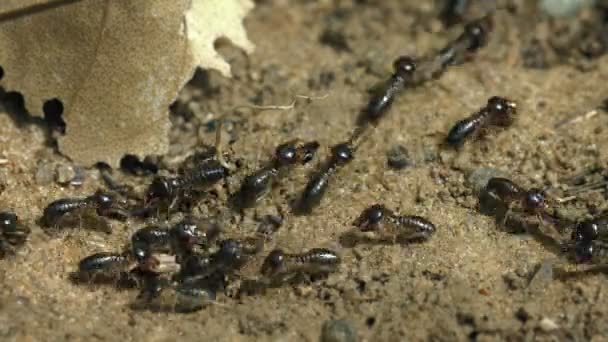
[279,266]
[594,229]
[147,240]
[341,154]
[161,294]
[404,68]
[104,265]
[187,235]
[208,169]
[386,223]
[498,112]
[474,37]
[256,185]
[179,240]
[104,204]
[229,258]
[591,251]
[169,190]
[12,233]
[532,201]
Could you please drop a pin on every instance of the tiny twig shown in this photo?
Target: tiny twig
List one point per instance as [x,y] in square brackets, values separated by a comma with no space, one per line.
[306,97]
[578,118]
[565,199]
[284,107]
[33,9]
[270,107]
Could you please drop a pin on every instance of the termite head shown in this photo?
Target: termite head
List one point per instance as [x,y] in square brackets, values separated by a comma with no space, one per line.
[307,151]
[371,217]
[502,106]
[404,66]
[185,234]
[273,262]
[477,31]
[8,222]
[342,153]
[296,152]
[105,200]
[585,231]
[287,154]
[162,188]
[535,200]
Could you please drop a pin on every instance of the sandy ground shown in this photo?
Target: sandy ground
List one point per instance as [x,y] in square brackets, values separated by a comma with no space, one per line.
[471,281]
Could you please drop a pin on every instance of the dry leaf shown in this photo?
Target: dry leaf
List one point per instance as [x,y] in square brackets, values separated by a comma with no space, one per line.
[116,65]
[208,20]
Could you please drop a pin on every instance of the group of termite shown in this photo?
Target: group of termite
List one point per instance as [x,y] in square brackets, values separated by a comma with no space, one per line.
[183,265]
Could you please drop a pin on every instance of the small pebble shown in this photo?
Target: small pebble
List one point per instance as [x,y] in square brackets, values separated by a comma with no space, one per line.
[548,325]
[338,331]
[64,173]
[563,8]
[479,178]
[398,157]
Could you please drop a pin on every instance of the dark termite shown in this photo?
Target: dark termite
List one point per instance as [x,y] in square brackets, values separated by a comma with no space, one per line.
[474,37]
[229,258]
[178,240]
[104,265]
[591,251]
[388,224]
[498,111]
[256,185]
[105,204]
[341,154]
[159,294]
[404,68]
[278,265]
[206,172]
[532,201]
[594,229]
[170,189]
